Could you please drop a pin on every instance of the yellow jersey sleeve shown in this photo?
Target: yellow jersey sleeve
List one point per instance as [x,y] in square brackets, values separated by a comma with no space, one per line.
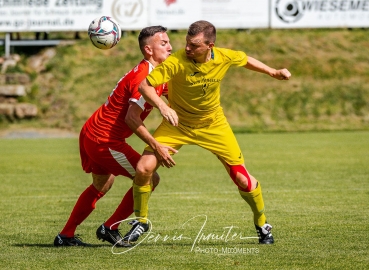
[164,71]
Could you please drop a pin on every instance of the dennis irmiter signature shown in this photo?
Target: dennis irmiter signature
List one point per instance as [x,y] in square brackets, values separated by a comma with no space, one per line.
[229,234]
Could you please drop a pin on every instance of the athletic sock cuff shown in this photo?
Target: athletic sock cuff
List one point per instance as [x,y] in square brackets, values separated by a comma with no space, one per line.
[252,194]
[96,192]
[141,189]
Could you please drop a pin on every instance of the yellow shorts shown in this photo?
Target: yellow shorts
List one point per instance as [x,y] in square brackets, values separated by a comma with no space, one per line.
[218,138]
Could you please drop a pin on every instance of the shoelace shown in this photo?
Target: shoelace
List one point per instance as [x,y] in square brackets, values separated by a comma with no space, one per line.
[137,230]
[133,222]
[116,232]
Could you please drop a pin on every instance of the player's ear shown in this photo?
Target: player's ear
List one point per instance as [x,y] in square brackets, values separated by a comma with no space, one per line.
[211,45]
[148,49]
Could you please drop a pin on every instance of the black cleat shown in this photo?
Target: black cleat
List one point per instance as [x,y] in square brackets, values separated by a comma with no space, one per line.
[62,241]
[112,236]
[265,236]
[137,229]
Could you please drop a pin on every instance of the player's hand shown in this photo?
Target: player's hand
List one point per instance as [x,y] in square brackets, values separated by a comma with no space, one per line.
[282,74]
[170,115]
[163,156]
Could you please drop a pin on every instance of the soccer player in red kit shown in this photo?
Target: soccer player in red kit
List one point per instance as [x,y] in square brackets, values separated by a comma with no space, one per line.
[103,149]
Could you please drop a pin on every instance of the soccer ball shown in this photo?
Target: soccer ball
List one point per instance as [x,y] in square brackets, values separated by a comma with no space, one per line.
[104,32]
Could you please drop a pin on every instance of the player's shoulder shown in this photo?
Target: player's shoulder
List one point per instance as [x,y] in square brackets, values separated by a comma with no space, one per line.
[225,53]
[140,70]
[136,74]
[144,65]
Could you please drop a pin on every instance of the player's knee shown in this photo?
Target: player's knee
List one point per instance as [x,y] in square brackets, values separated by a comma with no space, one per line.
[241,182]
[241,177]
[103,183]
[108,185]
[143,175]
[144,169]
[246,183]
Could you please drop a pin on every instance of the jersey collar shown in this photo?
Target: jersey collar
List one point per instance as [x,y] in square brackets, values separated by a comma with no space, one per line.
[151,67]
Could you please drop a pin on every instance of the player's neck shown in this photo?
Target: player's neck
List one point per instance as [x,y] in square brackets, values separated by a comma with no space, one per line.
[152,61]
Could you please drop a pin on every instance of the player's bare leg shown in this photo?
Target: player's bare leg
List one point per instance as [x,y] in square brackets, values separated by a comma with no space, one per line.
[103,183]
[250,190]
[240,179]
[142,187]
[142,184]
[145,168]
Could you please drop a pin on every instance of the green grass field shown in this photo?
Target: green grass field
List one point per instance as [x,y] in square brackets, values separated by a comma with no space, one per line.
[315,186]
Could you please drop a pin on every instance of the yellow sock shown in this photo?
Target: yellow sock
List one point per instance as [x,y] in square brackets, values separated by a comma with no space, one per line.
[255,200]
[141,195]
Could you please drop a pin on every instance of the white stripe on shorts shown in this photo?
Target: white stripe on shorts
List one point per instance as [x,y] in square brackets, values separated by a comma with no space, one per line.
[123,161]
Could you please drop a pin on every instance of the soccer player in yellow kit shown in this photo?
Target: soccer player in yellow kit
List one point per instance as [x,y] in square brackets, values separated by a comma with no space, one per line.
[194,116]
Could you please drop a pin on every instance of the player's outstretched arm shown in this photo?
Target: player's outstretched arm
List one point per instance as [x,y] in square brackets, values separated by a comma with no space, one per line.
[149,93]
[256,65]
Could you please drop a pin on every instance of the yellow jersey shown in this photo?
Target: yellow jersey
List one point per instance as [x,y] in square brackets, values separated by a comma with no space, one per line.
[194,88]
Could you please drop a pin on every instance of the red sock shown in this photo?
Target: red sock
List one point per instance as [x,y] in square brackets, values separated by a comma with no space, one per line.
[124,210]
[82,209]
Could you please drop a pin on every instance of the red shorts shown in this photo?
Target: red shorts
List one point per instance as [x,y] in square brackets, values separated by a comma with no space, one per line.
[117,158]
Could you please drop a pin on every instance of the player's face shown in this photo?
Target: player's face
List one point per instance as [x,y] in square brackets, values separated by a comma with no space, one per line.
[196,48]
[161,47]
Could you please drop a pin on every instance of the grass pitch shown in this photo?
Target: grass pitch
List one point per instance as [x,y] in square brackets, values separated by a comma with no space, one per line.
[315,186]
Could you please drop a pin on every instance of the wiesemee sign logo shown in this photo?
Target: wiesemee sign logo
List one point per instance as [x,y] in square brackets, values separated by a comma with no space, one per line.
[291,11]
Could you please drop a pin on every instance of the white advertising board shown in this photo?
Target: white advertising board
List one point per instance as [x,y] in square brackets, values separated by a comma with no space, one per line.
[179,14]
[319,13]
[75,15]
[69,15]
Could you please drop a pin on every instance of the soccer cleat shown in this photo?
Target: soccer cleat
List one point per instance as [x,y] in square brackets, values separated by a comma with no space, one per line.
[265,236]
[112,236]
[61,241]
[137,229]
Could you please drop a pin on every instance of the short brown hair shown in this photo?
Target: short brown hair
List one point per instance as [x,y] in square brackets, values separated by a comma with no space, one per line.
[210,33]
[148,32]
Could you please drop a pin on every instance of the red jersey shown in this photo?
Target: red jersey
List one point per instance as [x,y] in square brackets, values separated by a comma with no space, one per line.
[108,122]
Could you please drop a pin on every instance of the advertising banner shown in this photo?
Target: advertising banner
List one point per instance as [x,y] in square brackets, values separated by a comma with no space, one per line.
[69,15]
[179,14]
[319,13]
[76,15]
